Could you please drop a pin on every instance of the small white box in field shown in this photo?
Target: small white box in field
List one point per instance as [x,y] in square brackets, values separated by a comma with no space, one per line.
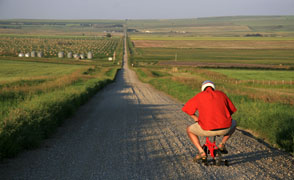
[90,55]
[61,54]
[21,55]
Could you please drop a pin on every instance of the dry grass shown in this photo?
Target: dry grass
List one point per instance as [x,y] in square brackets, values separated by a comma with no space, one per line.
[235,44]
[49,83]
[201,29]
[273,92]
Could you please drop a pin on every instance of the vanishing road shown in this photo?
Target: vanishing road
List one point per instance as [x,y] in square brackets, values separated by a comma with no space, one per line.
[131,131]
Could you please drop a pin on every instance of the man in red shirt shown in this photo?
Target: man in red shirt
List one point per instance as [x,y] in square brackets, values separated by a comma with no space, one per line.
[214,116]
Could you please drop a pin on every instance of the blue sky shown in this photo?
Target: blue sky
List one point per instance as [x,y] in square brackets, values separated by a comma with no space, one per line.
[140,9]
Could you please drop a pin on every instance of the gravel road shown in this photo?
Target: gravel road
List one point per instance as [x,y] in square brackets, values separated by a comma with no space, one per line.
[131,131]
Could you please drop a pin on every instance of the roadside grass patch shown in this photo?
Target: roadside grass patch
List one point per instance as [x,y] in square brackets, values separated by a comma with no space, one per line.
[173,88]
[159,74]
[273,122]
[32,107]
[142,74]
[111,72]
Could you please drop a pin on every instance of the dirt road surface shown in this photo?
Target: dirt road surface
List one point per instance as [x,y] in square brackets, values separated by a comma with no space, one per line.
[131,131]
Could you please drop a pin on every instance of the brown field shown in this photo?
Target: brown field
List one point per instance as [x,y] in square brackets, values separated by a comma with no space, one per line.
[202,29]
[221,65]
[229,44]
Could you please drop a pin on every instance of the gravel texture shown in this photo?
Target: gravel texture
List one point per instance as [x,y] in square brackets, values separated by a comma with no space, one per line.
[131,131]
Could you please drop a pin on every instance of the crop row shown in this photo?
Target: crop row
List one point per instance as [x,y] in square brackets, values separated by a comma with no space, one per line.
[12,46]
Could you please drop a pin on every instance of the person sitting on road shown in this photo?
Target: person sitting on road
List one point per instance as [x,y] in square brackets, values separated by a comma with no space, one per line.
[214,117]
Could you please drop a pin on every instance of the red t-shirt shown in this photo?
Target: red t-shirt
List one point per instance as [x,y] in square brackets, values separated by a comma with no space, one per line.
[214,107]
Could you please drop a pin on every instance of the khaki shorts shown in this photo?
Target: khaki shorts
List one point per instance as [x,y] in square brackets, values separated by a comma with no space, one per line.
[197,130]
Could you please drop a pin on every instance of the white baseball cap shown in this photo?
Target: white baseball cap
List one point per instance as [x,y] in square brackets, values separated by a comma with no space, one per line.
[206,84]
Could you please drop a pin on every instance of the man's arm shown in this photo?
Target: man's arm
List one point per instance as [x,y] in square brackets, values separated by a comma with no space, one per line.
[190,107]
[194,117]
[230,105]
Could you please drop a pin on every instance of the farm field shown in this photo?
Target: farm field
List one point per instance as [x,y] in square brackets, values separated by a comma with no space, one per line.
[238,26]
[256,72]
[15,70]
[241,43]
[266,51]
[49,37]
[77,28]
[229,56]
[18,80]
[38,93]
[50,47]
[242,74]
[270,47]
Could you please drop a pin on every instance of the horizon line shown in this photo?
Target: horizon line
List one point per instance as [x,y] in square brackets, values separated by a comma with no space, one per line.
[83,19]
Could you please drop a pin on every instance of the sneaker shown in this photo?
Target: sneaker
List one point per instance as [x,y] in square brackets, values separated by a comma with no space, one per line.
[223,149]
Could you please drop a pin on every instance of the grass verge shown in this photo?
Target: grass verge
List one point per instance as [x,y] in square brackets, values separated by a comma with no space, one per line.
[35,118]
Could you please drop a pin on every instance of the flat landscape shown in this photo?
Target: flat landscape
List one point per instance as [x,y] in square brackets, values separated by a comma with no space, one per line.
[129,130]
[117,114]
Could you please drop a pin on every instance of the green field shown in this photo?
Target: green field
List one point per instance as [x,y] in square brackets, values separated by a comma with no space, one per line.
[214,40]
[242,74]
[270,26]
[15,70]
[246,56]
[60,27]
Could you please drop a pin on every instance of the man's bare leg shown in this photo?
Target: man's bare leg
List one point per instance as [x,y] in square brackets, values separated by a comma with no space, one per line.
[195,140]
[224,140]
[227,137]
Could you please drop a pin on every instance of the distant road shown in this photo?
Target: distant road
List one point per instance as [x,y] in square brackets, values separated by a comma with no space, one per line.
[131,131]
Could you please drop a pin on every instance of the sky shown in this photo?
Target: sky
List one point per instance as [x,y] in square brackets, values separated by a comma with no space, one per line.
[140,9]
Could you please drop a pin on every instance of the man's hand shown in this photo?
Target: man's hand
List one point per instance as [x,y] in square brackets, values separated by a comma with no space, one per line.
[194,117]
